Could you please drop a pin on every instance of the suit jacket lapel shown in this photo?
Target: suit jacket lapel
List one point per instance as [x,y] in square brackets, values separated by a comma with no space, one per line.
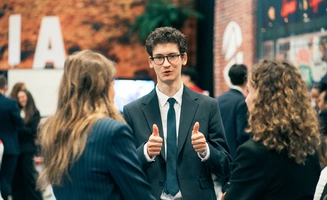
[188,110]
[151,112]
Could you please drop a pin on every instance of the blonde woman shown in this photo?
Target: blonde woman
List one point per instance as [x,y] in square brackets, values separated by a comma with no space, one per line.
[280,161]
[88,150]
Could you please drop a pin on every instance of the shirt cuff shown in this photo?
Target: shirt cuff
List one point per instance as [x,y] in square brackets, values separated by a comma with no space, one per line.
[147,157]
[206,157]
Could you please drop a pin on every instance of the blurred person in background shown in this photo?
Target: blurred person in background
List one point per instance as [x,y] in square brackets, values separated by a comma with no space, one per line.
[10,122]
[190,79]
[314,92]
[24,182]
[1,154]
[17,87]
[88,149]
[233,108]
[280,161]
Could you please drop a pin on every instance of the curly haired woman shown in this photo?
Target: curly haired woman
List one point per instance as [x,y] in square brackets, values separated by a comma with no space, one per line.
[280,161]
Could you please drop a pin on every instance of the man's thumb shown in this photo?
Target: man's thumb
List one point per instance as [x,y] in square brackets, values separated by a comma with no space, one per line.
[196,128]
[155,130]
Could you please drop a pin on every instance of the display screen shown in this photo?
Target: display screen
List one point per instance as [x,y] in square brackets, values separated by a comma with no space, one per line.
[128,90]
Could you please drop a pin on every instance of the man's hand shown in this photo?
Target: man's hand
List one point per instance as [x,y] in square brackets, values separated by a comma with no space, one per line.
[198,140]
[154,142]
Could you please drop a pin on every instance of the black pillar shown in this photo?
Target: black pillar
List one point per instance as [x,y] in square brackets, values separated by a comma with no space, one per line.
[205,34]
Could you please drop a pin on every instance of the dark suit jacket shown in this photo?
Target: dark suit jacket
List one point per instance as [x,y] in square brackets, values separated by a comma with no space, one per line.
[10,122]
[263,174]
[108,169]
[194,176]
[27,134]
[323,121]
[233,111]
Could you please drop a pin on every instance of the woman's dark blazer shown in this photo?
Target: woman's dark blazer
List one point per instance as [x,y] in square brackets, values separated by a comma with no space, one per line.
[108,168]
[27,134]
[263,174]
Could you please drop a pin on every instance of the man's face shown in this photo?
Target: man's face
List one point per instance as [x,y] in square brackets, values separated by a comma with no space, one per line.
[315,95]
[168,72]
[321,103]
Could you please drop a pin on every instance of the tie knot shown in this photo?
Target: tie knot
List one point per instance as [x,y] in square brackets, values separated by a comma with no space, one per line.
[171,102]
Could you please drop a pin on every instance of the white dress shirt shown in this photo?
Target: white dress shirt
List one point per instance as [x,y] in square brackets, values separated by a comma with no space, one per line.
[321,184]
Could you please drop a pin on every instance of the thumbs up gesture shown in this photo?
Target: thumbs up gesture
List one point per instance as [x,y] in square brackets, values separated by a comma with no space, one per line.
[154,142]
[198,140]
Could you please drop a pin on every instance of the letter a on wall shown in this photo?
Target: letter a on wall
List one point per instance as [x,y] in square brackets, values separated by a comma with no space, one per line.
[50,44]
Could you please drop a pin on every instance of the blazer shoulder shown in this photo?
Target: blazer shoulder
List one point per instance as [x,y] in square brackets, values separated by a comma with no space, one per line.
[253,147]
[198,96]
[108,124]
[8,101]
[143,100]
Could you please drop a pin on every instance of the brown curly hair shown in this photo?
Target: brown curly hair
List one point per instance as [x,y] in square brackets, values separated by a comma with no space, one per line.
[281,116]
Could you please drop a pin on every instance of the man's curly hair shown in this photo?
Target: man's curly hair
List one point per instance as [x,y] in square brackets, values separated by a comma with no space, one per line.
[164,35]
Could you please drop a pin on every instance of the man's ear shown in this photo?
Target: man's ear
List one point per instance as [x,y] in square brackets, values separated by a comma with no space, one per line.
[150,62]
[184,58]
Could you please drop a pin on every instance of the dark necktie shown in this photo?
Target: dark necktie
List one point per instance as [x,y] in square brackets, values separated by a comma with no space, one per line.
[171,186]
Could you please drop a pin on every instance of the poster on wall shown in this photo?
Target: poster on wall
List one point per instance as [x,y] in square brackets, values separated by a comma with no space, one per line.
[308,52]
[268,49]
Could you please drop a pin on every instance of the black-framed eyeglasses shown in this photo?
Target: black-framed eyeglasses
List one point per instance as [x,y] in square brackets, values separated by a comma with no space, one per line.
[172,58]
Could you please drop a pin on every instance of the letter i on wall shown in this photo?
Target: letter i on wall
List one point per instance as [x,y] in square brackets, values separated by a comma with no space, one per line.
[14,39]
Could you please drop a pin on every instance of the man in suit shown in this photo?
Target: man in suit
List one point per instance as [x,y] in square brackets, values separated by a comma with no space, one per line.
[178,133]
[10,121]
[233,108]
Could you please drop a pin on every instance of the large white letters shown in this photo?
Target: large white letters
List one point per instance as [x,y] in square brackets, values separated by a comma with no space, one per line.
[50,45]
[14,39]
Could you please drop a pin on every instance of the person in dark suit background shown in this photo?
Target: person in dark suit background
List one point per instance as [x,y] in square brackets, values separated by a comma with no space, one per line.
[178,161]
[88,150]
[233,108]
[280,161]
[190,79]
[322,106]
[1,154]
[10,122]
[24,182]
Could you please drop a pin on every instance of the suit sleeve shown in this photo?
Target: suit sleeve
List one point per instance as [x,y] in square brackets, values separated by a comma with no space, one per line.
[220,159]
[241,123]
[248,176]
[139,149]
[15,116]
[127,171]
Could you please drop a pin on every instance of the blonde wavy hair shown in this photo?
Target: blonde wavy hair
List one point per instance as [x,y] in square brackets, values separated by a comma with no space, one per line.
[281,116]
[83,99]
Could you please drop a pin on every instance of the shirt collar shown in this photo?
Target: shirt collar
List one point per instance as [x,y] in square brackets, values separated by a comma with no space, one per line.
[235,87]
[164,98]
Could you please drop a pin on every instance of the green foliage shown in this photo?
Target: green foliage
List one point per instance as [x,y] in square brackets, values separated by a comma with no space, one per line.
[159,13]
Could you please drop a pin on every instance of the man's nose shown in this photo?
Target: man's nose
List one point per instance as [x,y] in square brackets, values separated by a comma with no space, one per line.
[166,62]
